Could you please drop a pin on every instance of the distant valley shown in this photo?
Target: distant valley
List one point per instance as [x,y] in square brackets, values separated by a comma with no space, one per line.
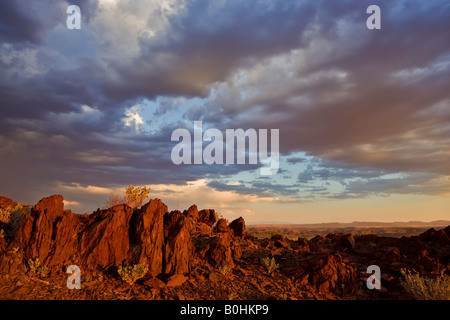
[308,231]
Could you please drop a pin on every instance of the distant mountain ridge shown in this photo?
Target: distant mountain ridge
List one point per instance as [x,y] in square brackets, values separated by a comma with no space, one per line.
[356,224]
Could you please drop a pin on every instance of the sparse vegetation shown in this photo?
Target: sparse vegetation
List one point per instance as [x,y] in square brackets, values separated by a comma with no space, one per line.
[131,274]
[225,269]
[427,288]
[220,216]
[36,267]
[113,200]
[283,296]
[270,264]
[134,197]
[12,216]
[232,296]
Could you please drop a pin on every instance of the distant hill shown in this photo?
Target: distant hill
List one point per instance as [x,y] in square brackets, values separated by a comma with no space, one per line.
[358,224]
[386,229]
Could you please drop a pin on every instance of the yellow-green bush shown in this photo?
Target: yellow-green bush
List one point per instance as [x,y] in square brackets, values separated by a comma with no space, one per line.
[427,288]
[36,267]
[269,264]
[130,274]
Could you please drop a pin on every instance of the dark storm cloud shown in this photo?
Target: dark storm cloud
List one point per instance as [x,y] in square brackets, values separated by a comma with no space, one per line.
[210,43]
[29,21]
[369,121]
[383,118]
[16,25]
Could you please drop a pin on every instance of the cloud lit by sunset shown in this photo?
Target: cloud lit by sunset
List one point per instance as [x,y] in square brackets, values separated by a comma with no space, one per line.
[363,115]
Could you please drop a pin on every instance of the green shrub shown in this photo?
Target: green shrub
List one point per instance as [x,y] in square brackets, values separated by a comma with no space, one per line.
[269,264]
[130,274]
[427,288]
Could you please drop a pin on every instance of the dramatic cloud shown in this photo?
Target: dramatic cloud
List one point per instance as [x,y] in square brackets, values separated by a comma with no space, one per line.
[360,112]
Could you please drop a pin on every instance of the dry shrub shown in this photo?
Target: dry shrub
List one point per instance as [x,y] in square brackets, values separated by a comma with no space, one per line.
[130,274]
[269,264]
[12,217]
[427,288]
[134,197]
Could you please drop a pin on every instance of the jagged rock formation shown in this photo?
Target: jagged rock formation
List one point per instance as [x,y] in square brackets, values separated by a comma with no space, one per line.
[178,246]
[112,237]
[200,255]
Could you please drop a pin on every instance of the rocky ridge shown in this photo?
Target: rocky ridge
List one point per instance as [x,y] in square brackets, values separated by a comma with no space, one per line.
[194,255]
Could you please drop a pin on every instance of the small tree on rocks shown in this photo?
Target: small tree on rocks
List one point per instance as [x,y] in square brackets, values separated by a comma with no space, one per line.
[135,196]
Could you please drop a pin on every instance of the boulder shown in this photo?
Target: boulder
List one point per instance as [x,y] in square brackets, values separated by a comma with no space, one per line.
[45,214]
[64,249]
[238,227]
[147,236]
[326,272]
[275,237]
[220,253]
[176,280]
[105,241]
[302,245]
[5,203]
[207,216]
[192,212]
[281,244]
[178,244]
[221,226]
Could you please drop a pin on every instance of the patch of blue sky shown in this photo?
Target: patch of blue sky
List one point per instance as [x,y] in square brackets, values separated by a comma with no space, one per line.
[73,45]
[168,111]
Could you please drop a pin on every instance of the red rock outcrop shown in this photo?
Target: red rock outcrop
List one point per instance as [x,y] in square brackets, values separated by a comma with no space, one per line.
[6,203]
[207,216]
[192,212]
[147,236]
[105,238]
[326,272]
[178,246]
[220,253]
[221,226]
[238,227]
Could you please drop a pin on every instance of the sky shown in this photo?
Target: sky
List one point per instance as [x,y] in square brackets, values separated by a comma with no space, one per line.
[363,115]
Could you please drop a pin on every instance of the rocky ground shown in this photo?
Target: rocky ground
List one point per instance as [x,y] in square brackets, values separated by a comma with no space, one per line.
[192,255]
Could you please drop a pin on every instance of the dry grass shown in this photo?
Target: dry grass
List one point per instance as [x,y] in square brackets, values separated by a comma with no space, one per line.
[427,288]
